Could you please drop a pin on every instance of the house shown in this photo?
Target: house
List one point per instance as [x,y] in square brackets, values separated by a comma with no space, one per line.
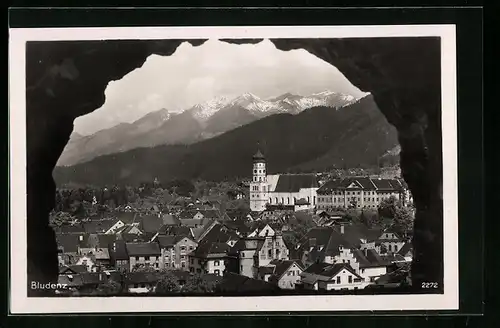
[141,282]
[284,273]
[68,243]
[210,257]
[119,256]
[220,234]
[325,245]
[357,192]
[254,252]
[371,265]
[325,276]
[389,242]
[81,283]
[143,253]
[175,251]
[99,256]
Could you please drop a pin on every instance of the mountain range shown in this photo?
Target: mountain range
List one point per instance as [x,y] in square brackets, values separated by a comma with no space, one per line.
[355,135]
[197,123]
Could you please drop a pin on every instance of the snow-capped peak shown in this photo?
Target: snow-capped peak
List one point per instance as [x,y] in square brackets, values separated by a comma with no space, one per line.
[208,108]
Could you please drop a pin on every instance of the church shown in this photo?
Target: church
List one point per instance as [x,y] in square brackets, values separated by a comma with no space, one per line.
[293,191]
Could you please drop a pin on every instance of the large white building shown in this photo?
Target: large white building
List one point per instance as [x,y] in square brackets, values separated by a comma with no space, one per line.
[289,190]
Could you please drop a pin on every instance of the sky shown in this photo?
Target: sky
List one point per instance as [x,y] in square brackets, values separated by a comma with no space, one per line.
[196,74]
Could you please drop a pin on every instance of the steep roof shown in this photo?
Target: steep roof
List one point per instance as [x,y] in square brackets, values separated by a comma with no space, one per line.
[71,242]
[282,266]
[139,249]
[295,182]
[322,241]
[170,220]
[369,258]
[407,248]
[120,251]
[258,156]
[387,184]
[364,183]
[151,223]
[329,270]
[68,269]
[214,248]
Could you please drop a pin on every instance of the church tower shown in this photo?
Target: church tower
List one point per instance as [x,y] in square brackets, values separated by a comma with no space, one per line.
[258,186]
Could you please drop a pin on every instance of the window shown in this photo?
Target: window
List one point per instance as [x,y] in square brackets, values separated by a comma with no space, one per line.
[183,248]
[156,265]
[137,258]
[338,279]
[216,263]
[191,269]
[395,248]
[390,248]
[241,268]
[198,270]
[217,272]
[146,258]
[349,279]
[254,171]
[192,261]
[355,288]
[191,248]
[167,265]
[183,257]
[269,253]
[183,264]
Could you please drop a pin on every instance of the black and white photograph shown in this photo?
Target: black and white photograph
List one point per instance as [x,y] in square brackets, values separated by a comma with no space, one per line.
[211,169]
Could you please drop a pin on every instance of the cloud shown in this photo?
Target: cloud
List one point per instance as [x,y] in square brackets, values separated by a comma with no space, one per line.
[195,74]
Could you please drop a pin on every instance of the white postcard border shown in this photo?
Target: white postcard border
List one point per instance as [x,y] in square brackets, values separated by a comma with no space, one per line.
[19,301]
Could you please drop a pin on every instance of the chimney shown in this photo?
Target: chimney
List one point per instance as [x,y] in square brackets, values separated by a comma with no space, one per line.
[114,246]
[342,229]
[312,242]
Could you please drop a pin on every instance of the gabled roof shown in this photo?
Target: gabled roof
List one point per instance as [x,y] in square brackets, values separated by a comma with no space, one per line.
[170,241]
[176,231]
[369,258]
[213,248]
[282,266]
[120,252]
[329,270]
[75,269]
[106,240]
[322,241]
[170,220]
[143,249]
[151,223]
[218,234]
[295,182]
[127,217]
[71,241]
[407,248]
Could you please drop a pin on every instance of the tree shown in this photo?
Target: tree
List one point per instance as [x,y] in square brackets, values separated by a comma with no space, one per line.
[196,284]
[168,283]
[387,207]
[143,268]
[401,218]
[110,287]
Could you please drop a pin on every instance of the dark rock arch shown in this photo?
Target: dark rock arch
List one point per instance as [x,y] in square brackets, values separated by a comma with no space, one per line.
[67,79]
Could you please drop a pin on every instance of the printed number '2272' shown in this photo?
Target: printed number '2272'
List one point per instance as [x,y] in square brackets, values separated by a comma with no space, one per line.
[429,285]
